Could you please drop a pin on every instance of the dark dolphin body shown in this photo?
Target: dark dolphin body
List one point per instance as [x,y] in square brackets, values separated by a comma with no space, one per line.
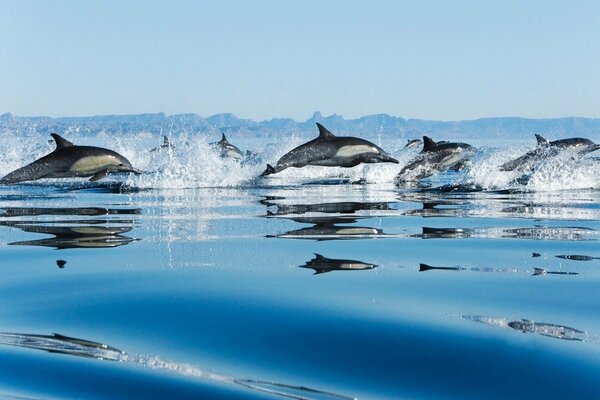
[323,264]
[69,160]
[329,150]
[435,157]
[227,149]
[545,149]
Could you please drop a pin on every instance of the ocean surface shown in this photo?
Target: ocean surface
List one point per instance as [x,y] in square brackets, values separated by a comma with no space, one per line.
[197,279]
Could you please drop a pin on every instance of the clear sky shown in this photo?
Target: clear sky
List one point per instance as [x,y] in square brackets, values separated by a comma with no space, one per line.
[447,60]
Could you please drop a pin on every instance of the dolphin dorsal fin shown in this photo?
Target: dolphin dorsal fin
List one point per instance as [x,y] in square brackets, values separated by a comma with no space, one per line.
[60,141]
[319,257]
[428,143]
[541,141]
[324,133]
[223,139]
[166,141]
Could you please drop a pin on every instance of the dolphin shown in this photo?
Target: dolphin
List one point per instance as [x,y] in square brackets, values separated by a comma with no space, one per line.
[166,144]
[69,160]
[227,149]
[426,267]
[435,157]
[329,150]
[577,257]
[323,264]
[412,143]
[546,149]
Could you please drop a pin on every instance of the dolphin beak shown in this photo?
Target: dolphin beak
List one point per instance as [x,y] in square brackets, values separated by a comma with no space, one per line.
[135,171]
[386,158]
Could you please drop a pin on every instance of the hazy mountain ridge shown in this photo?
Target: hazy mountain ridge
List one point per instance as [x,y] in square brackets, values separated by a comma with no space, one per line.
[378,124]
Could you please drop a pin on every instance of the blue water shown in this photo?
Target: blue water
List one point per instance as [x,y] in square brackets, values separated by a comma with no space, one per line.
[191,282]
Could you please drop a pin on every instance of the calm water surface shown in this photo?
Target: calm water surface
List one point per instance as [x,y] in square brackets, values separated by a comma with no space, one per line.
[316,290]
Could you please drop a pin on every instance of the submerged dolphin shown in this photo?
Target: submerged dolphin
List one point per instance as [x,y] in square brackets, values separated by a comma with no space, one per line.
[329,150]
[69,160]
[546,149]
[227,149]
[435,157]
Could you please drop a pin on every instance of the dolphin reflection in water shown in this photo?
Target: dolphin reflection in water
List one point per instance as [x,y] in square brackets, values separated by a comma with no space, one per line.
[330,228]
[528,326]
[69,160]
[322,265]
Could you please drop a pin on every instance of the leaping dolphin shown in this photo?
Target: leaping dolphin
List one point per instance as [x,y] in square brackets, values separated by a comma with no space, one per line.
[69,160]
[435,157]
[329,150]
[227,149]
[546,149]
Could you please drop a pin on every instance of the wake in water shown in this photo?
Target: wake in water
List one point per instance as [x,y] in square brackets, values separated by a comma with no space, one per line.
[190,161]
[61,344]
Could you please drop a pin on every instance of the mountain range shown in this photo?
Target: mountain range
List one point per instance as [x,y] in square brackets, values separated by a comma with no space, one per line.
[379,124]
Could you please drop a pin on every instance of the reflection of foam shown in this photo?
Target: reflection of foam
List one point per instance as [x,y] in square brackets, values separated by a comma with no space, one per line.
[66,345]
[527,326]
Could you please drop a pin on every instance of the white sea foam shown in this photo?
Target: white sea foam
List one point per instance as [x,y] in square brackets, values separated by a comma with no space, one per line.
[193,163]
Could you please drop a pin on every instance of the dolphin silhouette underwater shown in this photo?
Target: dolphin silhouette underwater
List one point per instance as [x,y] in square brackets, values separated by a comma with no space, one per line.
[69,160]
[546,149]
[227,149]
[435,157]
[329,150]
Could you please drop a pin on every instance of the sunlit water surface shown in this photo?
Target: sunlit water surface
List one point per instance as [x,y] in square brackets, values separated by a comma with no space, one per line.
[198,280]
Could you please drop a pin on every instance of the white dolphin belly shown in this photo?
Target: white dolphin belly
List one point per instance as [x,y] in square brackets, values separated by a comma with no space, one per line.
[354,150]
[92,164]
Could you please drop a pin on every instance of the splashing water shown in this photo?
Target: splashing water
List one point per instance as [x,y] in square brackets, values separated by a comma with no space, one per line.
[193,163]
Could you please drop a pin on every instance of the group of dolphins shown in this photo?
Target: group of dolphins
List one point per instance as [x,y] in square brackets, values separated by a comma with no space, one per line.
[69,160]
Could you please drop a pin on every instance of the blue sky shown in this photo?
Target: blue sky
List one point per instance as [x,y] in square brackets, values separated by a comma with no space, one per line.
[448,60]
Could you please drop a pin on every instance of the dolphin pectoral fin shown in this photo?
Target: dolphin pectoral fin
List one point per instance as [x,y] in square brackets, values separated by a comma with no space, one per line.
[99,175]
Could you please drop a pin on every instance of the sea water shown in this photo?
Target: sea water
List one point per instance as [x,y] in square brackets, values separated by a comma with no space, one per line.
[197,279]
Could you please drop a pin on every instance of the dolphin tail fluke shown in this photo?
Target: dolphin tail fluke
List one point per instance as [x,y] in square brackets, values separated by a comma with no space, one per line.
[424,267]
[270,170]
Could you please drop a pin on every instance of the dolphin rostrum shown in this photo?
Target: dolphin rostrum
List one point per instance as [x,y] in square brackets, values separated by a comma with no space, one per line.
[546,149]
[227,149]
[435,157]
[329,150]
[69,160]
